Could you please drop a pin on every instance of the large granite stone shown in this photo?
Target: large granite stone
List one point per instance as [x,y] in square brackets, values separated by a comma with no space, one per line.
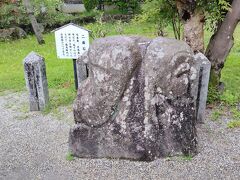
[139,101]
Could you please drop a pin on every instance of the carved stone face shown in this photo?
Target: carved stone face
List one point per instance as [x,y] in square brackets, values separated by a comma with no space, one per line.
[171,71]
[182,74]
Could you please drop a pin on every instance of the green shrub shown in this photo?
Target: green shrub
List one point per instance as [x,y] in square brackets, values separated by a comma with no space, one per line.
[162,14]
[124,6]
[213,95]
[46,13]
[98,29]
[90,4]
[14,14]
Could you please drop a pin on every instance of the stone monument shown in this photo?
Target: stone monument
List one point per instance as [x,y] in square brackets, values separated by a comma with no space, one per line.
[204,75]
[139,101]
[36,81]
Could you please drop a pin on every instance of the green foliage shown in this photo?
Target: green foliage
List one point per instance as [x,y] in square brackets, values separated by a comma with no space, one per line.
[60,72]
[156,10]
[90,4]
[120,27]
[187,158]
[236,113]
[112,11]
[63,95]
[215,12]
[46,13]
[14,14]
[229,97]
[231,74]
[234,124]
[213,94]
[126,5]
[216,114]
[98,29]
[162,13]
[69,157]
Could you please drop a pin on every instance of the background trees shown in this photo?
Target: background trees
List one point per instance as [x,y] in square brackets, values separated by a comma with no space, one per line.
[46,12]
[221,43]
[32,18]
[90,4]
[123,5]
[220,17]
[188,19]
[162,13]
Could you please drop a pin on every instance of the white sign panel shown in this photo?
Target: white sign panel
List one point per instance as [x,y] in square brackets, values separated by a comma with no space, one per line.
[71,41]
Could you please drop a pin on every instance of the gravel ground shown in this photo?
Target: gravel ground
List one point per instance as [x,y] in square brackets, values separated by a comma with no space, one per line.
[34,146]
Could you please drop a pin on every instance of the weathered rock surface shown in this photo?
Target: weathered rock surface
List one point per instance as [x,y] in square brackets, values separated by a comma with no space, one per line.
[204,74]
[139,101]
[12,33]
[82,69]
[36,81]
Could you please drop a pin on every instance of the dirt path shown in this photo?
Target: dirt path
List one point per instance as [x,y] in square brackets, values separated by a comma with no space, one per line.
[34,146]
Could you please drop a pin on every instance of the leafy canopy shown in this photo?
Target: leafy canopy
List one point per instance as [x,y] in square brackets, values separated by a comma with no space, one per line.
[164,11]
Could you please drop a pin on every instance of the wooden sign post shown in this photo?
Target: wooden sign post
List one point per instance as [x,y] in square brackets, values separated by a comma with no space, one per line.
[71,42]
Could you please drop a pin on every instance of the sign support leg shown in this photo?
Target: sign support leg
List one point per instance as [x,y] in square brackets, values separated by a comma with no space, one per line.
[75,74]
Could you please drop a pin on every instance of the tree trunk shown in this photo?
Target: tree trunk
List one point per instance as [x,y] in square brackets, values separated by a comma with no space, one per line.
[33,21]
[193,32]
[176,25]
[193,21]
[221,43]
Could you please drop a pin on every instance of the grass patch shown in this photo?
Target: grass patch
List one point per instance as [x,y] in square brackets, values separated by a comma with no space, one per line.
[11,66]
[69,157]
[216,114]
[59,97]
[233,124]
[235,114]
[187,158]
[60,72]
[231,73]
[146,29]
[231,78]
